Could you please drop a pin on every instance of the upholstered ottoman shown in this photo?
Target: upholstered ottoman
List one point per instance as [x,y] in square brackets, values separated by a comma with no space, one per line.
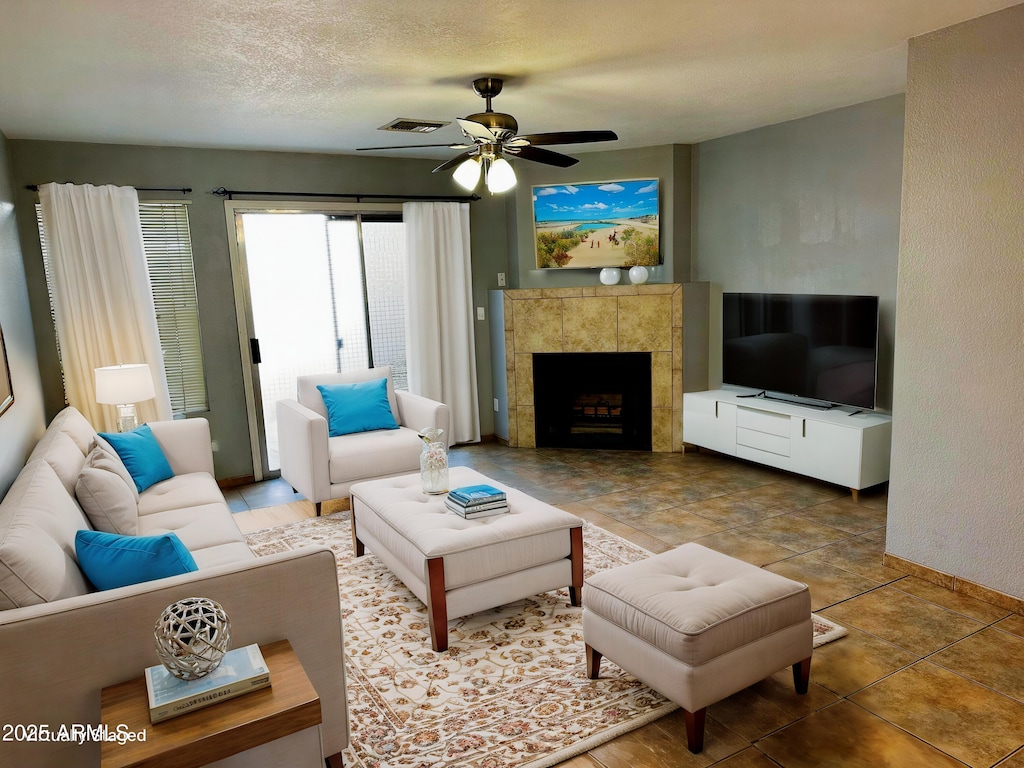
[697,626]
[458,566]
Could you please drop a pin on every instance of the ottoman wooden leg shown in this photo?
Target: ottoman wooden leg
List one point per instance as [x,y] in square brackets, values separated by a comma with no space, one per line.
[357,545]
[695,729]
[802,675]
[576,556]
[437,606]
[593,662]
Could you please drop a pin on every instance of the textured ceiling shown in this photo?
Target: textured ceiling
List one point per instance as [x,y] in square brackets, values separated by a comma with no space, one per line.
[322,75]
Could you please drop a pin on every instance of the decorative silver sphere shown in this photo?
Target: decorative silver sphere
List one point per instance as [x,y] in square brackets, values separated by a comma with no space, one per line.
[192,636]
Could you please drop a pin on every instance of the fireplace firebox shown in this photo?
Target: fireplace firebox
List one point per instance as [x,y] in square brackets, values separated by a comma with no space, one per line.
[593,400]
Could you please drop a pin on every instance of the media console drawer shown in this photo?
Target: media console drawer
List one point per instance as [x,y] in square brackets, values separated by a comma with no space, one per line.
[763,421]
[763,441]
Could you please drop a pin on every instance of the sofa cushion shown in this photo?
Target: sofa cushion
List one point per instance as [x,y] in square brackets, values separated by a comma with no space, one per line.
[61,452]
[38,523]
[199,528]
[373,454]
[110,561]
[180,492]
[361,406]
[107,494]
[141,454]
[71,422]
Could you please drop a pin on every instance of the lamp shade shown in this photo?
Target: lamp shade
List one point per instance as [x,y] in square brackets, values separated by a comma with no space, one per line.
[468,173]
[120,384]
[500,176]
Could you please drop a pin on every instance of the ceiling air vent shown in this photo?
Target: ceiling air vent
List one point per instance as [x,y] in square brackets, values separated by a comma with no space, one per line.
[411,125]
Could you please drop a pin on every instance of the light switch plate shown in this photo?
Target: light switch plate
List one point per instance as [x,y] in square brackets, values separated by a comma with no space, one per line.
[479,313]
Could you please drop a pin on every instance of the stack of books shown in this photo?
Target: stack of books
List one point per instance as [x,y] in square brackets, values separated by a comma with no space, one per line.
[240,671]
[473,501]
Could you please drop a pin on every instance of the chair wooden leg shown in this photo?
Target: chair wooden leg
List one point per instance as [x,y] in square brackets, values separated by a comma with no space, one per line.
[593,662]
[319,505]
[357,546]
[576,556]
[802,675]
[437,607]
[334,761]
[695,729]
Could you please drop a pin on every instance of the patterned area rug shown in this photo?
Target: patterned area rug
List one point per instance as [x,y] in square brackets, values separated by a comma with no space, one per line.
[510,690]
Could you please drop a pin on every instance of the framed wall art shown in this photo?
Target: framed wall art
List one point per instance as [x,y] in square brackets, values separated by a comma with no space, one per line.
[6,391]
[597,224]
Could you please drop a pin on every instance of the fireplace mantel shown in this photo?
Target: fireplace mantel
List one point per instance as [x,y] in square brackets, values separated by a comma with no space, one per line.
[626,318]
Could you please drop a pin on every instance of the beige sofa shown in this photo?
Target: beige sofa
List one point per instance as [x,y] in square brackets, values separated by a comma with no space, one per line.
[61,642]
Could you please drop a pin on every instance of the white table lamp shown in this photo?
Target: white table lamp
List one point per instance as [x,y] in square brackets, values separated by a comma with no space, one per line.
[124,386]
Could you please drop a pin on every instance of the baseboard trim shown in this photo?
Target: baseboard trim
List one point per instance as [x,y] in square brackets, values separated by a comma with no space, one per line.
[955,583]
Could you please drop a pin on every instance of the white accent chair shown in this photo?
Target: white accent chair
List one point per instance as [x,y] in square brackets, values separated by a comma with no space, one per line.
[321,467]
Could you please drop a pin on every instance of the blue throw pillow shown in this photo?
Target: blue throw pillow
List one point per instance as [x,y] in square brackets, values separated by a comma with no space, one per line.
[361,406]
[109,560]
[141,454]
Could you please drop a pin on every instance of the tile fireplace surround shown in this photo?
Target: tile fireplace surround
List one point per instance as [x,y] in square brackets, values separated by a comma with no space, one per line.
[626,318]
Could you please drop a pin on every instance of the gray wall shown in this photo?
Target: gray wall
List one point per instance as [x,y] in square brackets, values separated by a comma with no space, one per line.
[669,164]
[22,423]
[808,206]
[955,498]
[37,162]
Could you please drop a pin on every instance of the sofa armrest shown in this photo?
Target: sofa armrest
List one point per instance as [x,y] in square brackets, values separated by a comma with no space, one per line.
[186,444]
[55,658]
[418,412]
[302,443]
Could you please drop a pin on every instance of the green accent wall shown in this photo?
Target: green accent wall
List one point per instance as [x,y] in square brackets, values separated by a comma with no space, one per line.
[22,423]
[39,162]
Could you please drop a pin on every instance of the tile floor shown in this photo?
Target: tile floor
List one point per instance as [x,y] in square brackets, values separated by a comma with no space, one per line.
[926,678]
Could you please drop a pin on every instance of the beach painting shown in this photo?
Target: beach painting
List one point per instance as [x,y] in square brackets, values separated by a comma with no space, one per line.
[597,224]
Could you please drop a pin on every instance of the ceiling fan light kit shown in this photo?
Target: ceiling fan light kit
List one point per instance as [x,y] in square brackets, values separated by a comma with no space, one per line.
[491,136]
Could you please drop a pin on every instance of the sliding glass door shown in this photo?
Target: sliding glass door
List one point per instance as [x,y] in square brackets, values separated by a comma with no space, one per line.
[318,290]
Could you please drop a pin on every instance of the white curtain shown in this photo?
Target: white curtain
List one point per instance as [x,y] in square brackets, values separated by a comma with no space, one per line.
[439,335]
[102,299]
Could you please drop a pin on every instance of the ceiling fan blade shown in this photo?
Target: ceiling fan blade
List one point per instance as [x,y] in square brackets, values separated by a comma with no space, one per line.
[538,155]
[454,161]
[476,130]
[413,146]
[568,137]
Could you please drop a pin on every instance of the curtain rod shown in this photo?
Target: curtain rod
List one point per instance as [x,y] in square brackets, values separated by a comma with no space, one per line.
[230,193]
[183,190]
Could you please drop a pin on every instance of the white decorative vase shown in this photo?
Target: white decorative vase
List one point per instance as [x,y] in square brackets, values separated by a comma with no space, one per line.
[638,275]
[192,636]
[610,275]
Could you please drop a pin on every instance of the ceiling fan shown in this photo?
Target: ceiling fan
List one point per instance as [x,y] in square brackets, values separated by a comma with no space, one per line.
[491,136]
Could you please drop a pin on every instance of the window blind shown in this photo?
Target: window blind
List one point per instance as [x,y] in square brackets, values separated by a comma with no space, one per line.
[167,241]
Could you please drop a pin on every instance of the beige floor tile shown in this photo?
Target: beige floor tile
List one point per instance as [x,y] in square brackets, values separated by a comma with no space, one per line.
[829,585]
[846,736]
[730,511]
[586,760]
[662,744]
[769,705]
[640,538]
[858,554]
[626,505]
[748,758]
[1013,623]
[787,497]
[794,532]
[909,622]
[856,661]
[958,716]
[1016,760]
[954,601]
[676,493]
[992,657]
[846,515]
[752,550]
[674,526]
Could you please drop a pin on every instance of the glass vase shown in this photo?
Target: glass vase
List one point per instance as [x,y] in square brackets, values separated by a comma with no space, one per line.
[434,462]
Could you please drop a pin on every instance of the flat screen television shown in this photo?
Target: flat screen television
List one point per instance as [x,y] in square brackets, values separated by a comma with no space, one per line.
[805,346]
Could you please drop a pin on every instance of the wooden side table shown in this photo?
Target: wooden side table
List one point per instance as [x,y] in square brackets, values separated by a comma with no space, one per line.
[290,705]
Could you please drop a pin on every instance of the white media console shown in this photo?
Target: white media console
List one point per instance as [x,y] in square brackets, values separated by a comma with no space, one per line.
[837,446]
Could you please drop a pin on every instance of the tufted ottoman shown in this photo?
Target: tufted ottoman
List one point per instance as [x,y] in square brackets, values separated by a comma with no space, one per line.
[457,566]
[697,626]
